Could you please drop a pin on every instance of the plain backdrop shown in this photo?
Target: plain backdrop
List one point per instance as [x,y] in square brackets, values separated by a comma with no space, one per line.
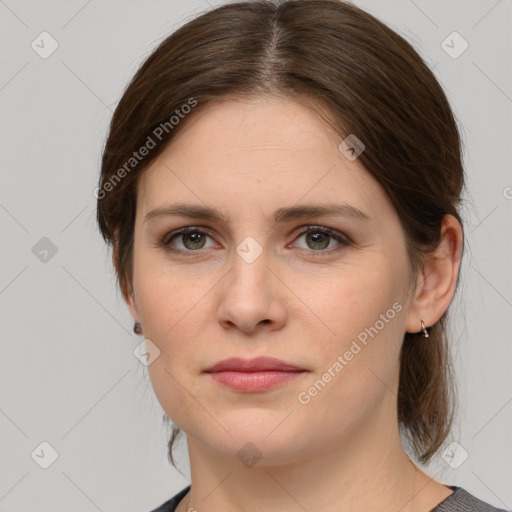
[69,378]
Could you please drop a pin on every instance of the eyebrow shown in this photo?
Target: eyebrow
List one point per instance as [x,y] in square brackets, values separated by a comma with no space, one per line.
[281,215]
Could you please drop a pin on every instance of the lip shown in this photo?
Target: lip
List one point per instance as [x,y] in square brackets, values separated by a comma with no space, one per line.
[258,364]
[253,375]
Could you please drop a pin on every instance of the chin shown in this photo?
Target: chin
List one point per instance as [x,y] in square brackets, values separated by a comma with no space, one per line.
[256,438]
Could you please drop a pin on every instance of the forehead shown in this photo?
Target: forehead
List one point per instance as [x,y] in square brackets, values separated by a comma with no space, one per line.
[261,152]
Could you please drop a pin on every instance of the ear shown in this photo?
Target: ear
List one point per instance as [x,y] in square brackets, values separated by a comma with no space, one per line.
[436,283]
[128,295]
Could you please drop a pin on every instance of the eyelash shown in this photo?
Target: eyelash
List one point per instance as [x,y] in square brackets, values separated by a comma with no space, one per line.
[343,240]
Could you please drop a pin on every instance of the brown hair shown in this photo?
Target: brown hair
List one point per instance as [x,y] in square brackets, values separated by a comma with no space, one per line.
[371,82]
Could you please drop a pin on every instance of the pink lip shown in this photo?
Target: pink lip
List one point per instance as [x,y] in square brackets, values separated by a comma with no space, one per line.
[258,364]
[253,375]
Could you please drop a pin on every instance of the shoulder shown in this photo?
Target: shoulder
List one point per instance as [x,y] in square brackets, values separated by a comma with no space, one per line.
[171,504]
[462,501]
[459,501]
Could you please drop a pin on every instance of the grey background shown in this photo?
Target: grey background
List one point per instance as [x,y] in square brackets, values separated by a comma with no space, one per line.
[68,373]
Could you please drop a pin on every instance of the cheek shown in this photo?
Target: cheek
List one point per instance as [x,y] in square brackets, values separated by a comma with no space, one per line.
[356,295]
[167,298]
[364,308]
[172,310]
[175,311]
[358,365]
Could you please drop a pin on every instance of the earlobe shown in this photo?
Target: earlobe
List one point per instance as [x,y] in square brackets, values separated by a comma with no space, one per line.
[438,280]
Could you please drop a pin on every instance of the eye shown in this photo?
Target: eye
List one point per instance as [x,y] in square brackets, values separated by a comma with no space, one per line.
[323,240]
[191,239]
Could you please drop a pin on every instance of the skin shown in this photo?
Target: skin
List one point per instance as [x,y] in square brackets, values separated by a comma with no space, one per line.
[342,450]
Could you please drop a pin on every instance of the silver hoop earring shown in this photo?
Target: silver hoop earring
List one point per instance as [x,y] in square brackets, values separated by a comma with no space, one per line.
[424,329]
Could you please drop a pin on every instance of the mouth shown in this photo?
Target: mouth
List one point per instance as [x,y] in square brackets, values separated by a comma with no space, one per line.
[253,375]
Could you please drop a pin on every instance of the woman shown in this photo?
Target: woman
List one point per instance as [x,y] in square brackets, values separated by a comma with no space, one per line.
[280,186]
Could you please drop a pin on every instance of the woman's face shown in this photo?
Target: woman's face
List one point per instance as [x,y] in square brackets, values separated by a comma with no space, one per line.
[332,302]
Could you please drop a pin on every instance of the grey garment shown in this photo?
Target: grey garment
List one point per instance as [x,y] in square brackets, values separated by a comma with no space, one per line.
[459,501]
[462,501]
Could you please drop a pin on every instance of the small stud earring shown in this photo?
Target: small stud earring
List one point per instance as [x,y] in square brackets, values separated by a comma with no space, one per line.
[424,329]
[137,328]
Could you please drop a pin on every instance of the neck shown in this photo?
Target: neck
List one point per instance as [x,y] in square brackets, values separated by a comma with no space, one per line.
[367,470]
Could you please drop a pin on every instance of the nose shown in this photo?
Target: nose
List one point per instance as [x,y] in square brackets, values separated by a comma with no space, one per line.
[251,298]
